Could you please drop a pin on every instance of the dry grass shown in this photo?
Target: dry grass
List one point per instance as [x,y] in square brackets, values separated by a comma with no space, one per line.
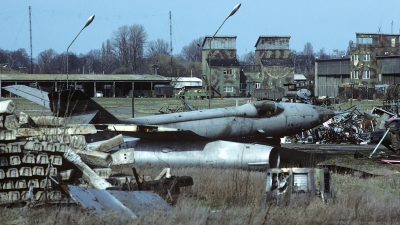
[233,196]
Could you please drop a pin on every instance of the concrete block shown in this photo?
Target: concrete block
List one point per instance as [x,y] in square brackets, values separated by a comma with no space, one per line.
[38,171]
[8,184]
[13,196]
[20,184]
[29,159]
[12,172]
[15,160]
[25,171]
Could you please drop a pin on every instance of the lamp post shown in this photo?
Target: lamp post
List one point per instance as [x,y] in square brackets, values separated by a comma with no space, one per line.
[1,72]
[91,18]
[234,10]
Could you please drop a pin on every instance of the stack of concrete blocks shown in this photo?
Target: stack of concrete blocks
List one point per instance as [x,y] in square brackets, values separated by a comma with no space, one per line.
[32,150]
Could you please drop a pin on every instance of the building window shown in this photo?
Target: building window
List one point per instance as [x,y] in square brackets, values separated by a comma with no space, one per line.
[228,89]
[355,57]
[393,42]
[242,86]
[366,57]
[355,74]
[364,41]
[228,71]
[366,74]
[258,85]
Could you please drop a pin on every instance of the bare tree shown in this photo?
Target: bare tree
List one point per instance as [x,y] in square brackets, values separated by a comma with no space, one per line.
[157,47]
[322,54]
[136,39]
[162,63]
[120,42]
[18,59]
[109,61]
[45,61]
[336,53]
[295,58]
[309,56]
[91,61]
[192,52]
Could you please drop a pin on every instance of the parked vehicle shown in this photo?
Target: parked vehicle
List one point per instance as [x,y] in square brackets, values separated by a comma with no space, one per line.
[99,94]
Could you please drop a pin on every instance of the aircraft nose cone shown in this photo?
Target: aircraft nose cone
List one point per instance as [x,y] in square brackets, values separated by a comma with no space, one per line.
[324,113]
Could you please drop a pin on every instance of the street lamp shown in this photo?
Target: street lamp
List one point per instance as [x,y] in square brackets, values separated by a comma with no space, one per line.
[234,10]
[392,25]
[1,72]
[91,18]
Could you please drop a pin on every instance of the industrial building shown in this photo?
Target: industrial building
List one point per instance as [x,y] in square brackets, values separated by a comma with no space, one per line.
[271,70]
[374,62]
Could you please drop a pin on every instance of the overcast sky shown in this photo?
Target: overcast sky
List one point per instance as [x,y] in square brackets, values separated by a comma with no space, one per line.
[328,24]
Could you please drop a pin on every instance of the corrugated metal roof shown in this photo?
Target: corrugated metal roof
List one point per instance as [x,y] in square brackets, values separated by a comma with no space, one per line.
[83,77]
[182,79]
[299,77]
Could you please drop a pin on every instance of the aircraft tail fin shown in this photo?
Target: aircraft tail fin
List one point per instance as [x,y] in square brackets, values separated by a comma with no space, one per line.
[74,103]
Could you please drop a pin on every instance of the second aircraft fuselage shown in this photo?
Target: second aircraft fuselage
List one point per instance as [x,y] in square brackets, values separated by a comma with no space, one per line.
[268,118]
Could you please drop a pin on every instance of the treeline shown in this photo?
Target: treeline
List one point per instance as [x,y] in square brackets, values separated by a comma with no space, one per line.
[129,51]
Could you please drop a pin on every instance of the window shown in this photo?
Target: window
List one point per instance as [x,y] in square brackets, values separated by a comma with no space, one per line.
[364,41]
[258,85]
[355,74]
[355,57]
[366,57]
[366,74]
[228,89]
[228,71]
[393,42]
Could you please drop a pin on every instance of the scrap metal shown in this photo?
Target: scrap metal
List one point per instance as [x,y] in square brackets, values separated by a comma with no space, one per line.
[284,185]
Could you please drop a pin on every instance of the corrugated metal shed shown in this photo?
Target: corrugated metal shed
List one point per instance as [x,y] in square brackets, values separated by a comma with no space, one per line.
[333,66]
[390,65]
[83,77]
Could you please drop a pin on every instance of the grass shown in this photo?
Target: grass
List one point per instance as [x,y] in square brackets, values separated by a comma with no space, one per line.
[151,106]
[232,196]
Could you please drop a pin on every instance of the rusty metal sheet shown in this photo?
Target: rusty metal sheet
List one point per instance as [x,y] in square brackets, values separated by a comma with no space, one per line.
[134,203]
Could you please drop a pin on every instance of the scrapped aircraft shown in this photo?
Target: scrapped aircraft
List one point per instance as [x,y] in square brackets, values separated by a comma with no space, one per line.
[219,137]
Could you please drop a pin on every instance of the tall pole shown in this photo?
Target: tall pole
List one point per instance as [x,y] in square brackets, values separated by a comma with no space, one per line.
[30,31]
[234,10]
[392,26]
[91,18]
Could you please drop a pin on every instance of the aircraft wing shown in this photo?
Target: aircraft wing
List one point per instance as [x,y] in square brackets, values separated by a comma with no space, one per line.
[32,94]
[151,132]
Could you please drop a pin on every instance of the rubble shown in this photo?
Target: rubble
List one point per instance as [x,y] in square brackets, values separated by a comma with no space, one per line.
[40,159]
[351,127]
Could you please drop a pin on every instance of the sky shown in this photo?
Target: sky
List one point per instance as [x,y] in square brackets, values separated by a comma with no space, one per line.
[328,24]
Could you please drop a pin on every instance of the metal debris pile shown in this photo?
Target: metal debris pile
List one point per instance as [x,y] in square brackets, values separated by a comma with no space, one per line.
[348,127]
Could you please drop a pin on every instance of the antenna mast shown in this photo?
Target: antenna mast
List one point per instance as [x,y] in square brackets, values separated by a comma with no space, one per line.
[30,31]
[170,38]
